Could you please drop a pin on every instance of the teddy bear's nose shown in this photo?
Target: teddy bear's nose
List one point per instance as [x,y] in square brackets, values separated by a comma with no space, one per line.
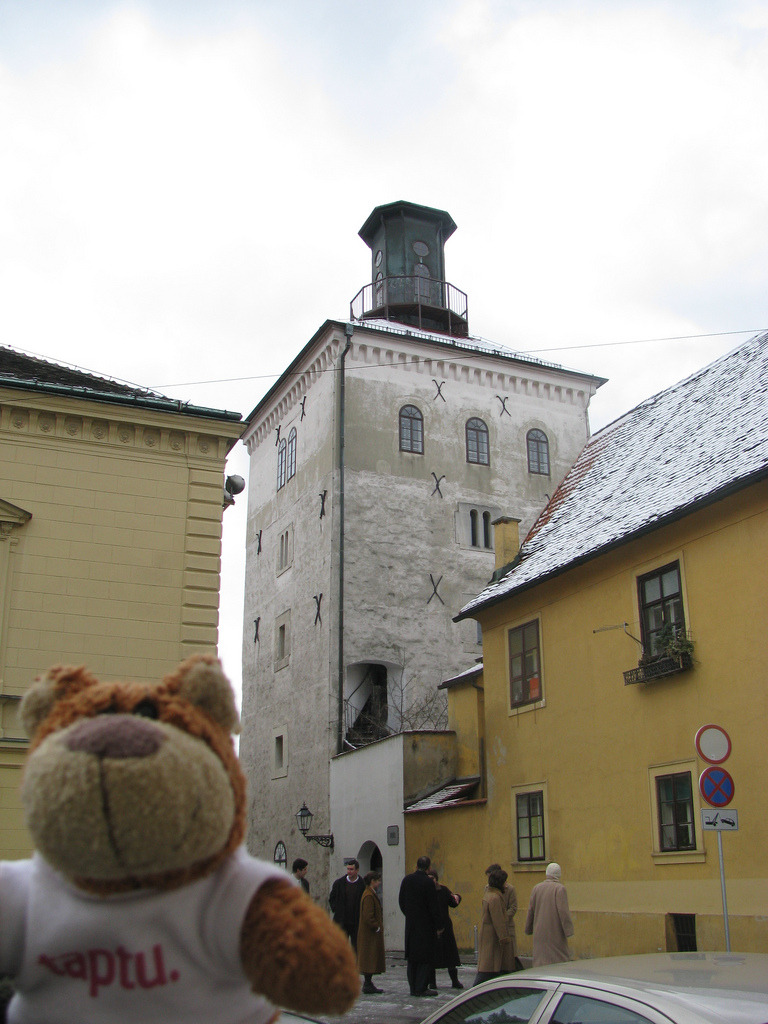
[116,736]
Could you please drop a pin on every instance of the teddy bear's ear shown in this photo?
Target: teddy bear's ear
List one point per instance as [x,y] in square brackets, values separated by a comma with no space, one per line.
[202,682]
[47,690]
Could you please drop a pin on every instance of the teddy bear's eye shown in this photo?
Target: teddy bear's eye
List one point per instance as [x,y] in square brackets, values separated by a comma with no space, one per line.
[147,709]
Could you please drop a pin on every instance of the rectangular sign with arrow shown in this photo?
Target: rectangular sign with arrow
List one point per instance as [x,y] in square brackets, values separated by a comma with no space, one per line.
[725,820]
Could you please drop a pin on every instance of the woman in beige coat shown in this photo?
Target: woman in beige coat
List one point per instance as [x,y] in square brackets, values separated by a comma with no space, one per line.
[370,934]
[496,952]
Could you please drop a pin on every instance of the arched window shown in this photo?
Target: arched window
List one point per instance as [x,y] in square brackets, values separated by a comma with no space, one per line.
[291,468]
[422,282]
[487,542]
[477,442]
[473,528]
[281,462]
[280,856]
[538,452]
[411,430]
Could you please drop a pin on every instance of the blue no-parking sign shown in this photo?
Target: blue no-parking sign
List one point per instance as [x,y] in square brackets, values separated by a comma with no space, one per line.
[716,786]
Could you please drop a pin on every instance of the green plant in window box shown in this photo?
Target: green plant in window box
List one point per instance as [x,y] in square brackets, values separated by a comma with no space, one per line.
[669,642]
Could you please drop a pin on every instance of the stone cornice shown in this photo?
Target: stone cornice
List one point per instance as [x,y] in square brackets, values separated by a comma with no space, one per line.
[323,360]
[61,419]
[475,367]
[413,355]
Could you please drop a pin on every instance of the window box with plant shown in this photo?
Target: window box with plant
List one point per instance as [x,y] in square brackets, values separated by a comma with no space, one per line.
[672,652]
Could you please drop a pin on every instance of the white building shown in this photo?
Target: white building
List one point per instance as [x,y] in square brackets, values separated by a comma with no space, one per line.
[379,461]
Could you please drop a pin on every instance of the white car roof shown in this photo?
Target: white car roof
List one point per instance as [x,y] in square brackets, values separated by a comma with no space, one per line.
[714,987]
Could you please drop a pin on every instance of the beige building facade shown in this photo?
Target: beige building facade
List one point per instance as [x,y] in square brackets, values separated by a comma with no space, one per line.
[111,503]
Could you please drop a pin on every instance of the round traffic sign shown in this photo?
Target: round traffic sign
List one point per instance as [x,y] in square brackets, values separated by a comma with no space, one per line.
[716,786]
[713,744]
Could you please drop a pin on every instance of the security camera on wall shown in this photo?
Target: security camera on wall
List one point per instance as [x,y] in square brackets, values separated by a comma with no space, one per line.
[232,485]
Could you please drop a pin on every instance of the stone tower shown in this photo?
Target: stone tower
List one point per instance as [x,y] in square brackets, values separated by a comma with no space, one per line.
[378,463]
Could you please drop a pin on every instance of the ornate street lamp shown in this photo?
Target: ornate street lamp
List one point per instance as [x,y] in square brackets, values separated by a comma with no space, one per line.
[304,821]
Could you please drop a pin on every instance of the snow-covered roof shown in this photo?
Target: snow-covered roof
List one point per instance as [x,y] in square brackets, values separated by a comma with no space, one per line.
[27,372]
[473,343]
[459,791]
[462,677]
[684,447]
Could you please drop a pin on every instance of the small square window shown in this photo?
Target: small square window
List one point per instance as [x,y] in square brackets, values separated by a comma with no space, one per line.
[279,752]
[282,640]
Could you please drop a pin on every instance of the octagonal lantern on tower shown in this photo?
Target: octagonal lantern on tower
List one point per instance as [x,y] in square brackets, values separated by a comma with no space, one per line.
[408,284]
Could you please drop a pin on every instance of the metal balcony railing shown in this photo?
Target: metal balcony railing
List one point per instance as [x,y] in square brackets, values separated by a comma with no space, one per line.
[669,665]
[421,301]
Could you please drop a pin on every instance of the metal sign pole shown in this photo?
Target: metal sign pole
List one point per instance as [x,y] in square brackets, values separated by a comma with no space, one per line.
[722,887]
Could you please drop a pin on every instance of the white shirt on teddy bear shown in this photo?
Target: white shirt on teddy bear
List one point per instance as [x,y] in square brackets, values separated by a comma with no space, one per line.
[143,957]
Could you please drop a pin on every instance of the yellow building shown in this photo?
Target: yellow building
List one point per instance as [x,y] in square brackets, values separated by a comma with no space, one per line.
[632,616]
[110,537]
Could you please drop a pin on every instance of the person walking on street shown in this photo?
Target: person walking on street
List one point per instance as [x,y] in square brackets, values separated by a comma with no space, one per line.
[370,935]
[549,920]
[447,952]
[418,902]
[344,900]
[495,955]
[299,871]
[509,899]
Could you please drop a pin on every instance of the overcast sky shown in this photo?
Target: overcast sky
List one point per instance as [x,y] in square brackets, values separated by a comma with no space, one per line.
[182,183]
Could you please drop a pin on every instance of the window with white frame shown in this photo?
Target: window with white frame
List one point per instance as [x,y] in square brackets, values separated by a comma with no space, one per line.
[282,460]
[478,450]
[474,525]
[538,452]
[280,856]
[411,430]
[291,455]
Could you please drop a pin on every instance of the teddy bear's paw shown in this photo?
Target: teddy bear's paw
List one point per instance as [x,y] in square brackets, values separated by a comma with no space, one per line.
[311,967]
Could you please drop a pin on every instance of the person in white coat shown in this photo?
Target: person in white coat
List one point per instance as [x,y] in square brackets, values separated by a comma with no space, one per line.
[549,920]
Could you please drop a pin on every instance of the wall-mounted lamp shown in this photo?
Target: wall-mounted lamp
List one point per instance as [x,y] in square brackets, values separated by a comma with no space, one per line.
[304,820]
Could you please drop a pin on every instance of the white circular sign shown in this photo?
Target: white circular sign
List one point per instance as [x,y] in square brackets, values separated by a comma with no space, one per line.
[713,744]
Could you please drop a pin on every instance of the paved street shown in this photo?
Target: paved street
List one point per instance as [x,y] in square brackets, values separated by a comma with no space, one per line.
[395,1005]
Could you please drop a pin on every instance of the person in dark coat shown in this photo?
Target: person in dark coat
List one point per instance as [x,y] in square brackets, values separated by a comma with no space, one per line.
[446,951]
[370,937]
[344,900]
[418,902]
[299,872]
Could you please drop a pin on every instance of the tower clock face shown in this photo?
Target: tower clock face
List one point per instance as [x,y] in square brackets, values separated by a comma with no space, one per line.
[378,258]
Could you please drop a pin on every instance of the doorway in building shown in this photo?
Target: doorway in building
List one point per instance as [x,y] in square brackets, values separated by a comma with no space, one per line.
[371,860]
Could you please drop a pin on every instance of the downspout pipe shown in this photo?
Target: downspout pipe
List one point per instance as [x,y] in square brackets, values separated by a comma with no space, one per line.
[348,330]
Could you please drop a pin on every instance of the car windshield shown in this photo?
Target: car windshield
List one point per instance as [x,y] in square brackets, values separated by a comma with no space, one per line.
[501,1006]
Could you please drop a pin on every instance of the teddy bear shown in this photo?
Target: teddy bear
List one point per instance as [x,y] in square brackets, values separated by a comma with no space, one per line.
[140,903]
